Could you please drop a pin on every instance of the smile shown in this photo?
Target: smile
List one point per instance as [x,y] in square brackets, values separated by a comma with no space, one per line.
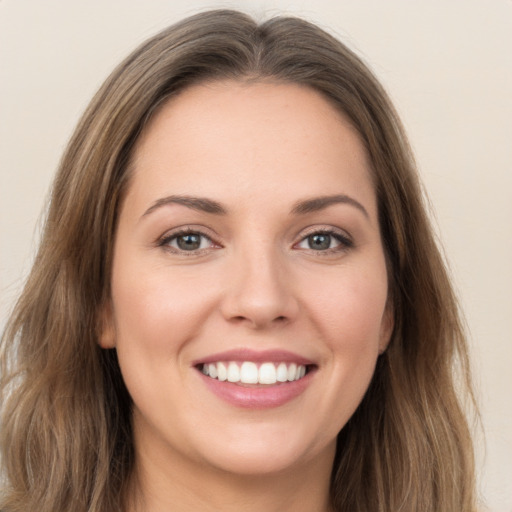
[256,379]
[249,372]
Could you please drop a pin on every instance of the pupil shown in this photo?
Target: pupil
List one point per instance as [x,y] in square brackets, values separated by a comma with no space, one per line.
[319,241]
[189,242]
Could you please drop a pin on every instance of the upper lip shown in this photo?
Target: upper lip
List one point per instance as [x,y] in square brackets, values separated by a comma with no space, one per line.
[256,356]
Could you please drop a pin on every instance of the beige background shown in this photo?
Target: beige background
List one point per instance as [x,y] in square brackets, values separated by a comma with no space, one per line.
[447,65]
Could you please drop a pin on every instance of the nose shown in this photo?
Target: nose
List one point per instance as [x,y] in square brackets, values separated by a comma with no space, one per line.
[259,291]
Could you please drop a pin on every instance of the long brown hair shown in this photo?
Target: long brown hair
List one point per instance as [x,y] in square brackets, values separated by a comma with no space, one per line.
[66,439]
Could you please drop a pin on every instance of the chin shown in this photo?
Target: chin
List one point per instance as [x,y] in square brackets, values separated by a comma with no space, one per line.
[266,454]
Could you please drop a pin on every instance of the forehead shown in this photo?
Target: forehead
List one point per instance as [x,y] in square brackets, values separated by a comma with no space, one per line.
[238,139]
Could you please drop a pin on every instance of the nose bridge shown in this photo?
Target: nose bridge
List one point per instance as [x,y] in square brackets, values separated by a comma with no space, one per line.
[259,291]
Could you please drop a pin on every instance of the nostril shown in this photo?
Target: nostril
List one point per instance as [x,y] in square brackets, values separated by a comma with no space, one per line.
[240,318]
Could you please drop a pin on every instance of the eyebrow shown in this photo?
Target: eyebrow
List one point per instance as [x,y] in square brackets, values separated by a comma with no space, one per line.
[201,204]
[316,204]
[206,205]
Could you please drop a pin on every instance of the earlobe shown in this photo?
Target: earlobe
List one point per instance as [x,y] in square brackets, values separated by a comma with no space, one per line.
[386,328]
[106,329]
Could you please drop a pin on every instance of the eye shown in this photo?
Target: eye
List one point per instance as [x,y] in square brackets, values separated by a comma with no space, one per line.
[319,242]
[325,241]
[187,241]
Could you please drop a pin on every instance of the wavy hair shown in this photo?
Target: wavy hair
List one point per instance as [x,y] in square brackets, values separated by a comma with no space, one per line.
[66,438]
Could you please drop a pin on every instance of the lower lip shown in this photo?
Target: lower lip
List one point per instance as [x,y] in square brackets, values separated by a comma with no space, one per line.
[263,397]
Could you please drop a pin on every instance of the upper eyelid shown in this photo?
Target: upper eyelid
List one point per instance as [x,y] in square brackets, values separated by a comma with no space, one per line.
[311,230]
[188,228]
[214,238]
[173,236]
[165,241]
[345,240]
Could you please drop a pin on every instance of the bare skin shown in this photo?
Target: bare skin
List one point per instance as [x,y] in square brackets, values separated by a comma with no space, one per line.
[250,227]
[162,487]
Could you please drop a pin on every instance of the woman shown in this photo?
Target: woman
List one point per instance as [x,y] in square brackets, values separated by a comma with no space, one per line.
[238,302]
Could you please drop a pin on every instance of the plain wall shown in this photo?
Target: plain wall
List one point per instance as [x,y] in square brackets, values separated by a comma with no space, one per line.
[448,66]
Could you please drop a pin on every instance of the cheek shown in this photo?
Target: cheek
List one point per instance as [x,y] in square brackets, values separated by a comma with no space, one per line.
[156,315]
[349,317]
[154,311]
[348,314]
[350,308]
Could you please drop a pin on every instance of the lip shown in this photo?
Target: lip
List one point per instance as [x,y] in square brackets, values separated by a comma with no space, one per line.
[257,397]
[256,356]
[264,397]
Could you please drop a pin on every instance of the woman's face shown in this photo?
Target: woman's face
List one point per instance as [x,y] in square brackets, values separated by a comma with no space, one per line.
[249,286]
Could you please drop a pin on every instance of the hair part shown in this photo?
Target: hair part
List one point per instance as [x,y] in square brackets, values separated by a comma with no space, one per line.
[66,439]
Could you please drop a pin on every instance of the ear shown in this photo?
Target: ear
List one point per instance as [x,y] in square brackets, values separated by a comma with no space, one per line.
[106,326]
[386,326]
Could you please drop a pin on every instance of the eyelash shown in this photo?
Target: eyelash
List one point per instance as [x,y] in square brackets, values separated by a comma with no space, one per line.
[165,241]
[345,242]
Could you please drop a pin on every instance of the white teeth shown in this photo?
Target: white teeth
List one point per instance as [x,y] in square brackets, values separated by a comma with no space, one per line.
[282,372]
[222,371]
[292,372]
[249,373]
[233,372]
[267,374]
[212,371]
